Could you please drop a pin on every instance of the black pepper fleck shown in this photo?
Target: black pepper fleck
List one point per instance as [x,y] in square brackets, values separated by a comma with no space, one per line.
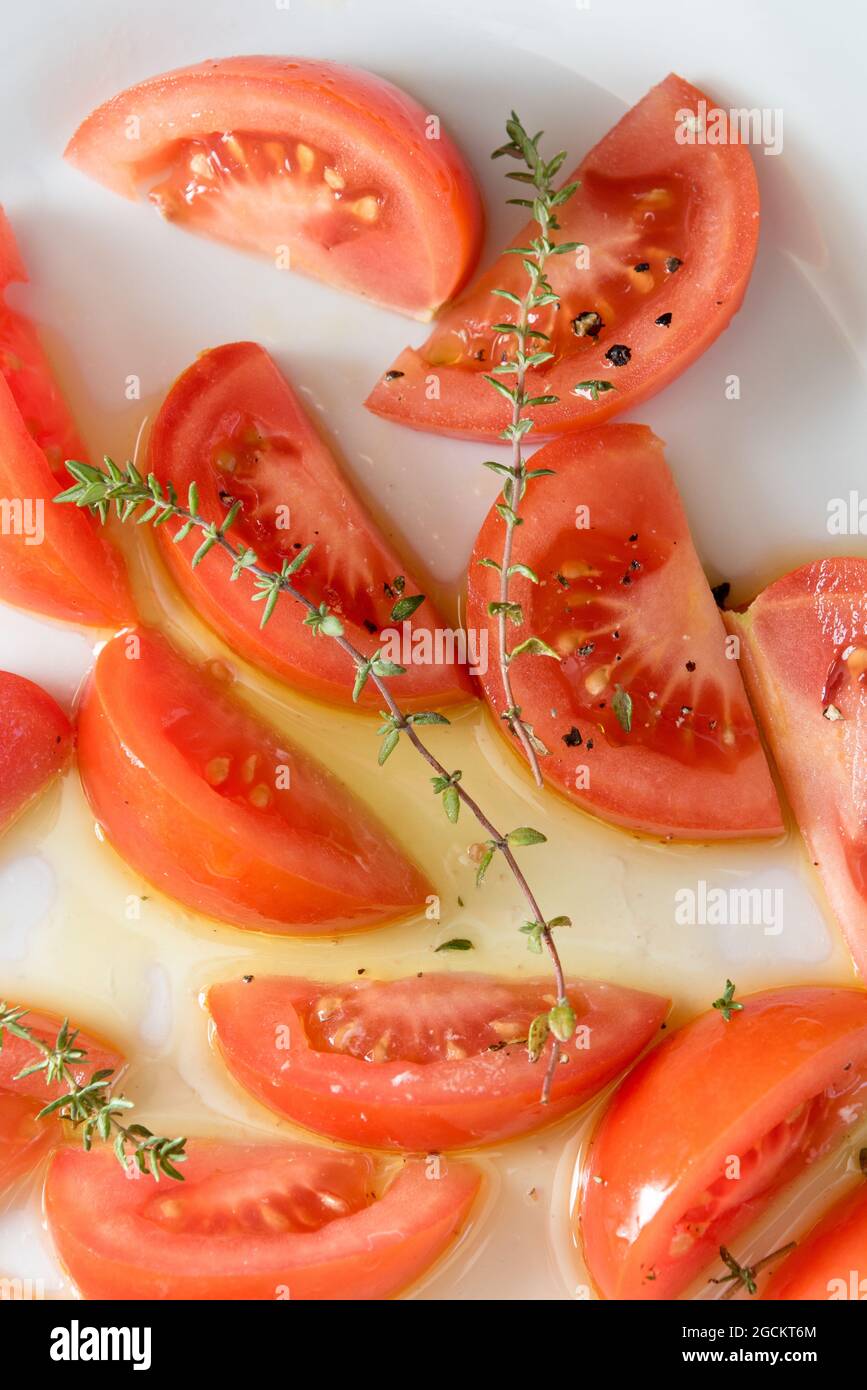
[393,376]
[573,739]
[618,355]
[663,321]
[587,324]
[673,263]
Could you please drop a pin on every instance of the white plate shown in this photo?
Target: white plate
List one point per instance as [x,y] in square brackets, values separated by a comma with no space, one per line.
[119,294]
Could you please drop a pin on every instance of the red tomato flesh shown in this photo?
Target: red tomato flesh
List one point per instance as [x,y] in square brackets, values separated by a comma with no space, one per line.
[219,811]
[53,559]
[804,661]
[830,1262]
[671,230]
[624,602]
[324,167]
[35,744]
[24,1138]
[254,1221]
[431,1062]
[232,424]
[708,1129]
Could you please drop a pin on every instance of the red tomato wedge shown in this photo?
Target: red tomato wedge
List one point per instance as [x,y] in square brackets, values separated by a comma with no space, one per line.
[16,1054]
[671,231]
[710,1127]
[35,744]
[52,559]
[324,167]
[623,600]
[830,1262]
[24,1138]
[219,811]
[804,661]
[233,425]
[429,1062]
[254,1221]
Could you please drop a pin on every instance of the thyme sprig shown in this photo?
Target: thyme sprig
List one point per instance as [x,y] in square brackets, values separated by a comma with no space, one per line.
[744,1276]
[530,351]
[91,1106]
[127,491]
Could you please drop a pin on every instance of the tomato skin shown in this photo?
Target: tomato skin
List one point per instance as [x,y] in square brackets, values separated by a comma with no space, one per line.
[720,224]
[351,559]
[73,573]
[826,1258]
[435,1105]
[712,1091]
[373,1253]
[312,859]
[793,637]
[619,473]
[432,244]
[36,744]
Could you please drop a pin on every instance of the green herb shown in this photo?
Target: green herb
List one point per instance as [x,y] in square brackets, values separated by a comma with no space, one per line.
[457,943]
[744,1276]
[128,493]
[726,1004]
[529,349]
[91,1106]
[592,389]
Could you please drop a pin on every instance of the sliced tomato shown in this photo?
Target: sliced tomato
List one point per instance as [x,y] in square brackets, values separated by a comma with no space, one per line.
[427,1062]
[16,1054]
[671,230]
[623,600]
[35,744]
[710,1127]
[254,1221]
[830,1261]
[52,559]
[233,425]
[804,661]
[219,811]
[24,1138]
[328,167]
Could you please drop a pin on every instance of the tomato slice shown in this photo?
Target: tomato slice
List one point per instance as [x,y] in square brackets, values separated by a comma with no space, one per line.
[24,1138]
[804,658]
[53,560]
[830,1262]
[219,811]
[671,230]
[326,167]
[428,1062]
[624,601]
[254,1221]
[708,1129]
[35,744]
[232,424]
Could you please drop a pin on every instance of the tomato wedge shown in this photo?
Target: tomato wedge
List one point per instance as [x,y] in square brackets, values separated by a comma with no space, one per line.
[35,744]
[254,1221]
[428,1062]
[53,560]
[233,425]
[671,231]
[708,1129]
[324,167]
[623,600]
[804,662]
[24,1138]
[219,811]
[830,1262]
